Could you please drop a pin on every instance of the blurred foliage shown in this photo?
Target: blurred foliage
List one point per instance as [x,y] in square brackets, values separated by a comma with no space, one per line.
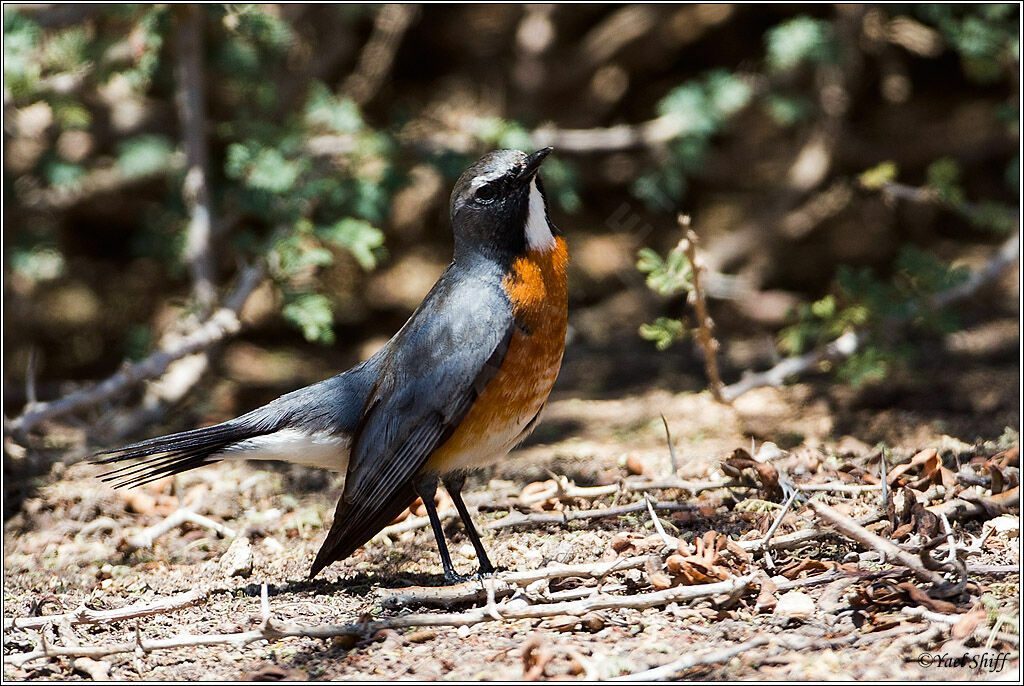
[986,40]
[328,185]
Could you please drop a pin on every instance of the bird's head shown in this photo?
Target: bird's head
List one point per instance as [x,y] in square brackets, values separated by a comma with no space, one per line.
[498,208]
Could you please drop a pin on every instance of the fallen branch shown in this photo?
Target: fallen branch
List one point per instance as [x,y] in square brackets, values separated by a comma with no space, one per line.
[86,615]
[270,631]
[220,325]
[518,519]
[504,583]
[847,344]
[563,488]
[950,620]
[840,488]
[799,538]
[675,669]
[851,529]
[148,536]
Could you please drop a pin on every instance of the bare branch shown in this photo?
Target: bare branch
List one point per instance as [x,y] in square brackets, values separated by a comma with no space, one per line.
[675,669]
[651,133]
[195,192]
[705,325]
[518,519]
[145,538]
[86,615]
[847,344]
[378,54]
[270,631]
[858,533]
[220,325]
[504,583]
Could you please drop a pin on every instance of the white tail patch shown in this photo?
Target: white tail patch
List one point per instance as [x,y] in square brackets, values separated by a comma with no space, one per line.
[310,449]
[538,231]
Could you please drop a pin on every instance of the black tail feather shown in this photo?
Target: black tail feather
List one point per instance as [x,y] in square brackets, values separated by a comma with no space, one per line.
[352,529]
[172,454]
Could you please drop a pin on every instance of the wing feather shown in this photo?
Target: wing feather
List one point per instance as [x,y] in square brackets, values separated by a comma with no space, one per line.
[440,363]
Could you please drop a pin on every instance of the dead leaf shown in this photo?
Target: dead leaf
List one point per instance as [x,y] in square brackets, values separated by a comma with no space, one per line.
[966,625]
[766,598]
[656,576]
[562,623]
[919,597]
[634,465]
[767,474]
[806,566]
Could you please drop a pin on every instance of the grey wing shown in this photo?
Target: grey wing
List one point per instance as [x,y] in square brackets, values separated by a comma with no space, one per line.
[449,351]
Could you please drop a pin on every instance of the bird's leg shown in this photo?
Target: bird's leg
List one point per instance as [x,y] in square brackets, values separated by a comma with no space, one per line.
[454,486]
[425,488]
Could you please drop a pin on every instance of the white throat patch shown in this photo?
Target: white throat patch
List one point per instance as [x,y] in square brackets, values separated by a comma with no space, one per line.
[538,231]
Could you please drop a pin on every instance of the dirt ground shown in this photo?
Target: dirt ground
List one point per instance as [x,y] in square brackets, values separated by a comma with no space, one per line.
[68,544]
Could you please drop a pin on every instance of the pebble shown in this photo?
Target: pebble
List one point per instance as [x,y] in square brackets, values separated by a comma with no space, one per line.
[795,604]
[237,561]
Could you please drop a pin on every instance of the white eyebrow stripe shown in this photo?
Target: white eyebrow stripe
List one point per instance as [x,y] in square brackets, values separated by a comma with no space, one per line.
[484,179]
[538,231]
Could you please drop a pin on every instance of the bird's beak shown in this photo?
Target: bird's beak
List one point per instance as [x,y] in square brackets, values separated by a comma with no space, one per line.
[533,163]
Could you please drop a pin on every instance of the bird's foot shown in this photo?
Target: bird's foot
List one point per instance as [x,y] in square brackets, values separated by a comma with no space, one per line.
[452,578]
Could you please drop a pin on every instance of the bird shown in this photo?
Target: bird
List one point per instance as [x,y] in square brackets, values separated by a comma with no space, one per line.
[456,388]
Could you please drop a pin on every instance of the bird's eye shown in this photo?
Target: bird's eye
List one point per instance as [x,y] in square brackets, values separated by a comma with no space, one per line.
[485,194]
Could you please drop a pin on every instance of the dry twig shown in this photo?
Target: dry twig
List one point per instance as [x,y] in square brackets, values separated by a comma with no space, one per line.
[378,54]
[851,529]
[705,325]
[222,323]
[675,669]
[86,615]
[146,537]
[504,583]
[271,631]
[847,344]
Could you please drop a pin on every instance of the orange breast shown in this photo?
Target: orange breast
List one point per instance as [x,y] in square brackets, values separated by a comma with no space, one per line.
[536,287]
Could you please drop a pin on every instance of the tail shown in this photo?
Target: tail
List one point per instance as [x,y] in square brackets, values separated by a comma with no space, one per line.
[175,453]
[348,532]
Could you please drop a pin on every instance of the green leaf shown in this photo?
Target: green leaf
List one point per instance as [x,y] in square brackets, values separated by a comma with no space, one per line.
[59,173]
[21,65]
[798,40]
[143,155]
[312,314]
[879,175]
[359,237]
[664,331]
[944,179]
[340,115]
[669,276]
[269,170]
[37,264]
[727,92]
[787,110]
